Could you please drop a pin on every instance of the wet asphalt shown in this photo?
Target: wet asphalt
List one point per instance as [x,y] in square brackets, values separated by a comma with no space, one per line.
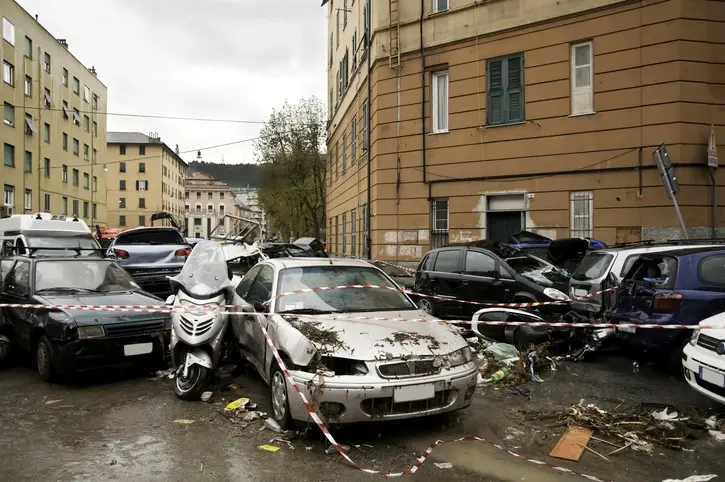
[120,427]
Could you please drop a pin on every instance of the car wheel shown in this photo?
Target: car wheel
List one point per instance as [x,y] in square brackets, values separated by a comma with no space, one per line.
[426,305]
[191,386]
[280,399]
[44,359]
[5,349]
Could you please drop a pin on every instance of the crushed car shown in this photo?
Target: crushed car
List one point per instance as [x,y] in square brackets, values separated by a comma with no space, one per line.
[703,358]
[356,360]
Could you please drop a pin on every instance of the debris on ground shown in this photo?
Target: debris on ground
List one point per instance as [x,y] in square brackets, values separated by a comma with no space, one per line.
[269,448]
[236,404]
[444,465]
[169,374]
[271,424]
[572,444]
[206,396]
[333,449]
[51,402]
[716,428]
[694,478]
[507,366]
[184,421]
[522,392]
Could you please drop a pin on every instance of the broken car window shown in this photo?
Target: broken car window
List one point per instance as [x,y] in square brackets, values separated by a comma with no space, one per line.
[18,281]
[97,275]
[166,236]
[593,266]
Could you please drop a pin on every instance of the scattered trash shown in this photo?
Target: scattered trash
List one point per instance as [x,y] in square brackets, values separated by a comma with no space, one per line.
[165,374]
[513,433]
[693,478]
[308,448]
[503,352]
[206,396]
[500,375]
[51,402]
[233,386]
[251,416]
[236,404]
[572,444]
[718,435]
[271,424]
[522,392]
[333,449]
[113,462]
[184,421]
[444,465]
[269,448]
[664,415]
[635,367]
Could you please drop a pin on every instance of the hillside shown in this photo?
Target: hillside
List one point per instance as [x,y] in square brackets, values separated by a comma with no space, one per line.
[236,175]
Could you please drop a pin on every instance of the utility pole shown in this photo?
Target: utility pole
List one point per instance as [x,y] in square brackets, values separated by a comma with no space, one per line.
[93,160]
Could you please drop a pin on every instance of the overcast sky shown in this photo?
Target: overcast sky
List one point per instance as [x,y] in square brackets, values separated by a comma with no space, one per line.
[221,59]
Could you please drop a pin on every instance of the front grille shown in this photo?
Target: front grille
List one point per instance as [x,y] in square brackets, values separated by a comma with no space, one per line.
[407,369]
[707,342]
[147,327]
[195,329]
[381,407]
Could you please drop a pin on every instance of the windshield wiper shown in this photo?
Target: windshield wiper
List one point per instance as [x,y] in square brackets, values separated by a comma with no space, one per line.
[306,311]
[69,289]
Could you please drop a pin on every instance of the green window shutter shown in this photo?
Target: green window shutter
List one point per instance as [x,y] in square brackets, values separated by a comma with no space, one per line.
[495,92]
[515,88]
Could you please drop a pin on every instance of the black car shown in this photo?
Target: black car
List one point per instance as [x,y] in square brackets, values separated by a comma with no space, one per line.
[65,340]
[478,274]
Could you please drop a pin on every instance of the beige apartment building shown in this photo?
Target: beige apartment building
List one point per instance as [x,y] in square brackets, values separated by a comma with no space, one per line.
[53,133]
[145,176]
[207,202]
[459,120]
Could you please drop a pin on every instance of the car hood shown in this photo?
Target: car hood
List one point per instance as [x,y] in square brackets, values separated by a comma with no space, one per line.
[718,321]
[374,339]
[85,318]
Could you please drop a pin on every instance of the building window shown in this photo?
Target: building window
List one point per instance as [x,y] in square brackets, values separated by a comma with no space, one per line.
[337,159]
[142,203]
[76,117]
[582,78]
[95,184]
[95,101]
[86,180]
[86,123]
[440,5]
[582,207]
[142,185]
[64,174]
[86,151]
[85,209]
[121,167]
[46,62]
[122,220]
[46,202]
[65,110]
[221,210]
[28,47]
[64,137]
[76,176]
[9,155]
[505,90]
[354,50]
[122,185]
[95,155]
[142,151]
[337,29]
[76,147]
[210,196]
[9,196]
[198,195]
[122,203]
[337,235]
[64,205]
[439,104]
[86,94]
[353,233]
[28,86]
[439,223]
[95,210]
[141,167]
[353,142]
[46,132]
[28,199]
[47,100]
[344,234]
[344,152]
[8,31]
[142,220]
[29,125]
[9,115]
[344,13]
[186,195]
[8,73]
[329,164]
[122,149]
[329,238]
[366,126]
[65,77]
[75,207]
[28,161]
[76,86]
[46,167]
[95,129]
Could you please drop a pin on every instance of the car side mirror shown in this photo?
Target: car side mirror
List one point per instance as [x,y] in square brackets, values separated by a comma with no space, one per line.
[170,300]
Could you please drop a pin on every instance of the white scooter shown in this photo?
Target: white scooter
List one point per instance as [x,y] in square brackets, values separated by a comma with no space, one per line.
[199,327]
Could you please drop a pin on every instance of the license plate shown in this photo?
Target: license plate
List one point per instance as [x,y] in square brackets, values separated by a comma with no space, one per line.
[627,329]
[138,349]
[414,392]
[579,293]
[713,377]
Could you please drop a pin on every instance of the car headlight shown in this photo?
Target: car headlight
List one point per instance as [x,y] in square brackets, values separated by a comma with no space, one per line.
[199,310]
[94,331]
[555,294]
[693,338]
[460,357]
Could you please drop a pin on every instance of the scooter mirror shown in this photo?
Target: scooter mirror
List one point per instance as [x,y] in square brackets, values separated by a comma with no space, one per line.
[170,300]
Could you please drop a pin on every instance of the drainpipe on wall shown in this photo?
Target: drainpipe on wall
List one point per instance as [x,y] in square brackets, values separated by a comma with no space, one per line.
[369,122]
[422,92]
[713,179]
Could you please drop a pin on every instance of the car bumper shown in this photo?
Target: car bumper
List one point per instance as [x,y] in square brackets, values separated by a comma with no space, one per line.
[649,339]
[705,372]
[111,352]
[366,401]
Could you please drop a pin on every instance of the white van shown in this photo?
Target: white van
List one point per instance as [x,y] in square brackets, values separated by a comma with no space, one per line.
[45,233]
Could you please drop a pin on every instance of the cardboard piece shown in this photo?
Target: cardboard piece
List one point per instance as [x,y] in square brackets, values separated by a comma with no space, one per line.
[571,445]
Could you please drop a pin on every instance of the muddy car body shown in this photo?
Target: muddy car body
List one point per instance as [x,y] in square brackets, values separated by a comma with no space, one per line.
[351,367]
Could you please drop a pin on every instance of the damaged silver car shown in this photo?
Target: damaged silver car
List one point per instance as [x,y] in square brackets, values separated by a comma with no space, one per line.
[350,360]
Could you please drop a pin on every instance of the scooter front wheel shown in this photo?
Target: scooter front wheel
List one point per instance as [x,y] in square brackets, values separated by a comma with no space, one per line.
[191,386]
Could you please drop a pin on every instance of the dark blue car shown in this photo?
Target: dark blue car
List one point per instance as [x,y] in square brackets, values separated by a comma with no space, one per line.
[680,286]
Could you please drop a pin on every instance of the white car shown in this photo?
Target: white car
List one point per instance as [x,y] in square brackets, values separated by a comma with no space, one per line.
[703,359]
[351,369]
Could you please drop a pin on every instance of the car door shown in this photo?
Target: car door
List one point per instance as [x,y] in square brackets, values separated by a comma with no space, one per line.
[5,266]
[481,281]
[241,324]
[16,290]
[260,292]
[446,281]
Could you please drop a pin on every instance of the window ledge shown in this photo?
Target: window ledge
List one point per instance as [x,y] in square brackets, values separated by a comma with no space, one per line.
[433,133]
[583,114]
[494,126]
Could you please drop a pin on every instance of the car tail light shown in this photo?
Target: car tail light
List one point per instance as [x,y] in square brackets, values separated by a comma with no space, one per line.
[120,253]
[667,302]
[183,252]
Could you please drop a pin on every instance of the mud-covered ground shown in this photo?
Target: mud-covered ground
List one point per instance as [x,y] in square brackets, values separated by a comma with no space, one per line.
[123,427]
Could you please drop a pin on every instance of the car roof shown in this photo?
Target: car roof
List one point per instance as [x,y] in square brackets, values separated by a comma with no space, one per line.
[149,228]
[689,251]
[282,263]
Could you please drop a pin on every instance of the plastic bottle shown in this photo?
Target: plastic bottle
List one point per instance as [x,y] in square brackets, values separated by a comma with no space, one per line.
[500,375]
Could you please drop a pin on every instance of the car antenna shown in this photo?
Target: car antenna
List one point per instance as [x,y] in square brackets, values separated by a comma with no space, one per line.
[75,218]
[37,216]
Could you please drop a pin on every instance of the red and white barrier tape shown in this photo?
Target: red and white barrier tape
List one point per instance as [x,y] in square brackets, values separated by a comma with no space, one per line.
[413,469]
[404,268]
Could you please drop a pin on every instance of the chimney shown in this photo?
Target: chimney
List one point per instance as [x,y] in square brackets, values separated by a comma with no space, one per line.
[154,137]
[36,17]
[63,42]
[93,70]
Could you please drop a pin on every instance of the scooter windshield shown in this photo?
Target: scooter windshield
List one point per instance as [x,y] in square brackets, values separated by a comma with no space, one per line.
[205,271]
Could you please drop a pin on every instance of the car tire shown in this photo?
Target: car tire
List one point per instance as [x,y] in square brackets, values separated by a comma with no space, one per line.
[279,396]
[44,359]
[5,349]
[427,305]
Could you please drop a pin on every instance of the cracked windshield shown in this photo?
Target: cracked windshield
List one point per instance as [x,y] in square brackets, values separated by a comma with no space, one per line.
[322,240]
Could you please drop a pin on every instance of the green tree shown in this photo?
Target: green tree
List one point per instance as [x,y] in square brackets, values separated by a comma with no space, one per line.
[293,168]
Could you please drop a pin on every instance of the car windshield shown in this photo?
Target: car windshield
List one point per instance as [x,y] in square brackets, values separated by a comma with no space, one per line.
[392,270]
[539,272]
[150,236]
[205,271]
[88,245]
[338,300]
[593,266]
[83,275]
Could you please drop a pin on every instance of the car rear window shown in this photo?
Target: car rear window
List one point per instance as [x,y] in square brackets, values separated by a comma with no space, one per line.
[166,236]
[593,266]
[712,270]
[447,261]
[659,270]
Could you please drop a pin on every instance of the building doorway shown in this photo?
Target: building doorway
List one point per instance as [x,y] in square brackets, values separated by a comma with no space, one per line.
[505,215]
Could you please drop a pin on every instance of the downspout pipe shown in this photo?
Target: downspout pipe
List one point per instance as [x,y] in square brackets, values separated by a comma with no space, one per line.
[368,242]
[422,94]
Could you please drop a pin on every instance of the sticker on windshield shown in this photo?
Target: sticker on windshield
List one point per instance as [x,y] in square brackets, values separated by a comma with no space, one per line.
[294,306]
